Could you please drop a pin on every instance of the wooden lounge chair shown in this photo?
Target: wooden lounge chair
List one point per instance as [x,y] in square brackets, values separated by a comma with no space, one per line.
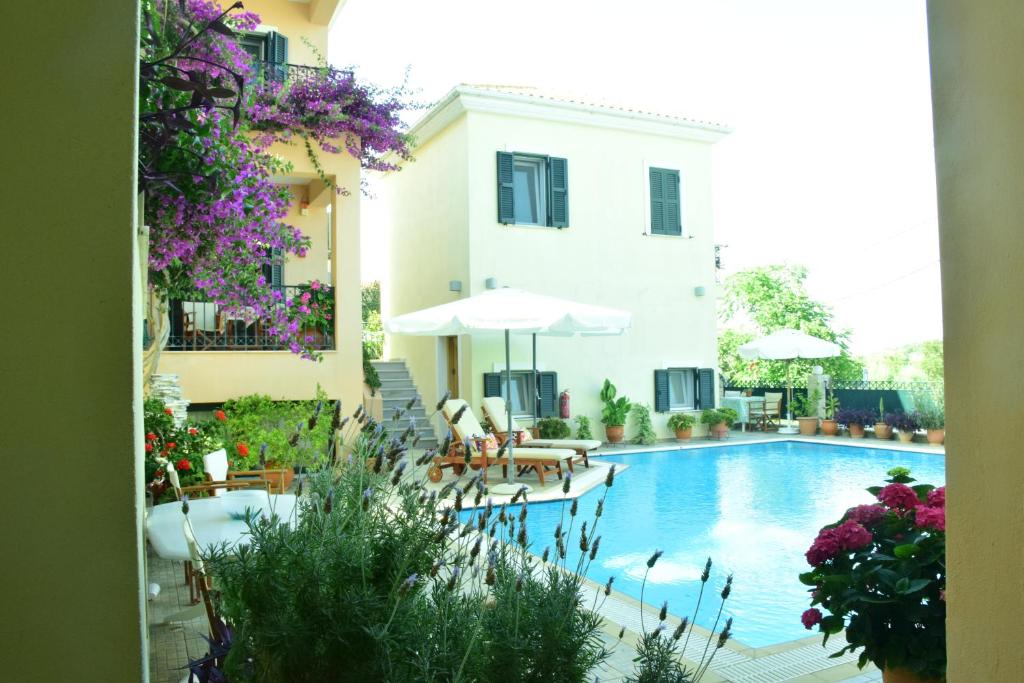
[484,449]
[494,412]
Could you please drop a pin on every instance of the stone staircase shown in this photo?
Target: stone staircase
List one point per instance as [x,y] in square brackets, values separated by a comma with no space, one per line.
[397,387]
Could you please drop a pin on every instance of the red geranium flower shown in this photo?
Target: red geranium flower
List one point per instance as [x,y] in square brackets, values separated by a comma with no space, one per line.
[171,445]
[168,411]
[149,448]
[193,431]
[183,464]
[811,618]
[151,437]
[219,414]
[242,449]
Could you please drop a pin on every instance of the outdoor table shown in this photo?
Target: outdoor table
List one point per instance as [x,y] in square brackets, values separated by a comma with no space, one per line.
[211,521]
[741,404]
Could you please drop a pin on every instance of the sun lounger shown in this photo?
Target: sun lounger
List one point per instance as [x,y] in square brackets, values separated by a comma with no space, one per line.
[494,413]
[484,449]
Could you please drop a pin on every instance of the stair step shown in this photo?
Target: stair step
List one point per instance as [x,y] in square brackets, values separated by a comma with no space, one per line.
[388,364]
[395,394]
[393,375]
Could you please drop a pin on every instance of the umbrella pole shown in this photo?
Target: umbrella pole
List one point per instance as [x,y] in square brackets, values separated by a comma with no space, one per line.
[536,389]
[508,410]
[789,428]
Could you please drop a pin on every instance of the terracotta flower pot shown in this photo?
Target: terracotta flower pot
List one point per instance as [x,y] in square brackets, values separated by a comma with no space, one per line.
[904,676]
[936,437]
[614,433]
[720,430]
[856,430]
[883,431]
[808,426]
[684,434]
[906,436]
[829,427]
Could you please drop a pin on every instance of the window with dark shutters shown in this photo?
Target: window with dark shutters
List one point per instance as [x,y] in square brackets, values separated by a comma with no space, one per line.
[492,384]
[547,402]
[666,204]
[551,207]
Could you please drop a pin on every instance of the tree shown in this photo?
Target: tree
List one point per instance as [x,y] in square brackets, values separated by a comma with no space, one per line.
[762,300]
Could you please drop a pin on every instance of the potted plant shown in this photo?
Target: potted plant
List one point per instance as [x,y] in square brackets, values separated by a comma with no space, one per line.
[804,409]
[905,423]
[883,430]
[854,419]
[829,426]
[682,425]
[614,412]
[880,573]
[934,422]
[718,421]
[553,428]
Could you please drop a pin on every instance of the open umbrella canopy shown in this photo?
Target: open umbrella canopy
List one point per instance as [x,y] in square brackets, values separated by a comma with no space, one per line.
[788,345]
[514,310]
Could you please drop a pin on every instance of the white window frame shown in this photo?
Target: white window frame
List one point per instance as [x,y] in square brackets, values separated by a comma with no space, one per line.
[696,389]
[676,166]
[540,161]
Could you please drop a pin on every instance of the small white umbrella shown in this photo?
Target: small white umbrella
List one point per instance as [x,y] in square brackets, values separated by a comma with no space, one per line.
[512,311]
[788,345]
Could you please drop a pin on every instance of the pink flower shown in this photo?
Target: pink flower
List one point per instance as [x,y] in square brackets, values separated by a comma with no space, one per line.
[866,514]
[930,518]
[315,284]
[811,618]
[937,497]
[852,536]
[305,297]
[899,497]
[825,547]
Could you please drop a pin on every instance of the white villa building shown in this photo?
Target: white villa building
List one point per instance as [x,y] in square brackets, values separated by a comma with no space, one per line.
[589,202]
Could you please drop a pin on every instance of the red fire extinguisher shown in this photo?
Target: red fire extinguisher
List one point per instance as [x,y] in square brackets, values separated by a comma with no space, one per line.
[563,405]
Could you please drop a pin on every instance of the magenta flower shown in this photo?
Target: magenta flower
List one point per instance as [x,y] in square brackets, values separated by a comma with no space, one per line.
[899,497]
[937,497]
[825,547]
[866,514]
[852,536]
[811,618]
[930,518]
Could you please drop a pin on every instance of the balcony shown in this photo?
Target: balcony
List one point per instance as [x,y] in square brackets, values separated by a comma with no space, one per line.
[275,72]
[198,325]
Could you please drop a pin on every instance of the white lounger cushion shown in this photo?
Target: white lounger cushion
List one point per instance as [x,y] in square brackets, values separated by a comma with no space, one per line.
[494,406]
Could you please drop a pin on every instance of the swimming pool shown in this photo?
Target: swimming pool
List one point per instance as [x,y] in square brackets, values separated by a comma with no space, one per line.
[753,508]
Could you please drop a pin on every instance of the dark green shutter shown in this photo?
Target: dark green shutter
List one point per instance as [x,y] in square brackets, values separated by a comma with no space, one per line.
[277,269]
[665,202]
[706,388]
[277,48]
[492,384]
[558,191]
[661,399]
[547,404]
[506,199]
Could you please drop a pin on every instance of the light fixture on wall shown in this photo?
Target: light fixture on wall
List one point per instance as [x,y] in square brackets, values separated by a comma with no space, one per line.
[303,208]
[699,290]
[491,283]
[455,285]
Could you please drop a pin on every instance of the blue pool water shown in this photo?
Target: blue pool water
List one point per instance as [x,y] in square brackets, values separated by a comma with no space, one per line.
[753,508]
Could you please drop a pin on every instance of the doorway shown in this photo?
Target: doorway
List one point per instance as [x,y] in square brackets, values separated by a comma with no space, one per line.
[451,365]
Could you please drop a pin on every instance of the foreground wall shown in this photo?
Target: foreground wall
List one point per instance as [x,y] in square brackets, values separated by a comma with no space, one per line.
[71,441]
[978,99]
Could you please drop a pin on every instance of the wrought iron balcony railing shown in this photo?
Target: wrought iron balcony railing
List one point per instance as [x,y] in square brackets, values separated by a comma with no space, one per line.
[295,73]
[198,325]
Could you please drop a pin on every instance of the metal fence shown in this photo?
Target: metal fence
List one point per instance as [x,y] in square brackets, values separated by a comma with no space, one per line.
[296,73]
[198,325]
[897,396]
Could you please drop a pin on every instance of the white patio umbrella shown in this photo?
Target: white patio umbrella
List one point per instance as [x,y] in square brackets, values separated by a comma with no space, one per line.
[788,345]
[511,311]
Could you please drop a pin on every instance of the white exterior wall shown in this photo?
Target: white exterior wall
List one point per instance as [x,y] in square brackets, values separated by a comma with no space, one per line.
[428,207]
[602,258]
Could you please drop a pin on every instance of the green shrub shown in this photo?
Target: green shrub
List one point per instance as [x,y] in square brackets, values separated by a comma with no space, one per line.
[256,419]
[553,428]
[645,429]
[681,421]
[583,427]
[615,411]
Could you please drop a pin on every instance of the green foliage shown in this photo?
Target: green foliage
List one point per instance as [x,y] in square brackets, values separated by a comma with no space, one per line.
[681,421]
[918,362]
[711,417]
[645,435]
[931,408]
[831,405]
[615,410]
[806,406]
[553,428]
[256,419]
[771,298]
[583,427]
[182,447]
[371,299]
[370,375]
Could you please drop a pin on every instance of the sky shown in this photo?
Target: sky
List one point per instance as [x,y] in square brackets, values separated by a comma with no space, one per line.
[830,164]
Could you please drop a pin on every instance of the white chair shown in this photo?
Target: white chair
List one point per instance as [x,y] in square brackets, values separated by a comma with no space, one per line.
[494,408]
[732,394]
[216,466]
